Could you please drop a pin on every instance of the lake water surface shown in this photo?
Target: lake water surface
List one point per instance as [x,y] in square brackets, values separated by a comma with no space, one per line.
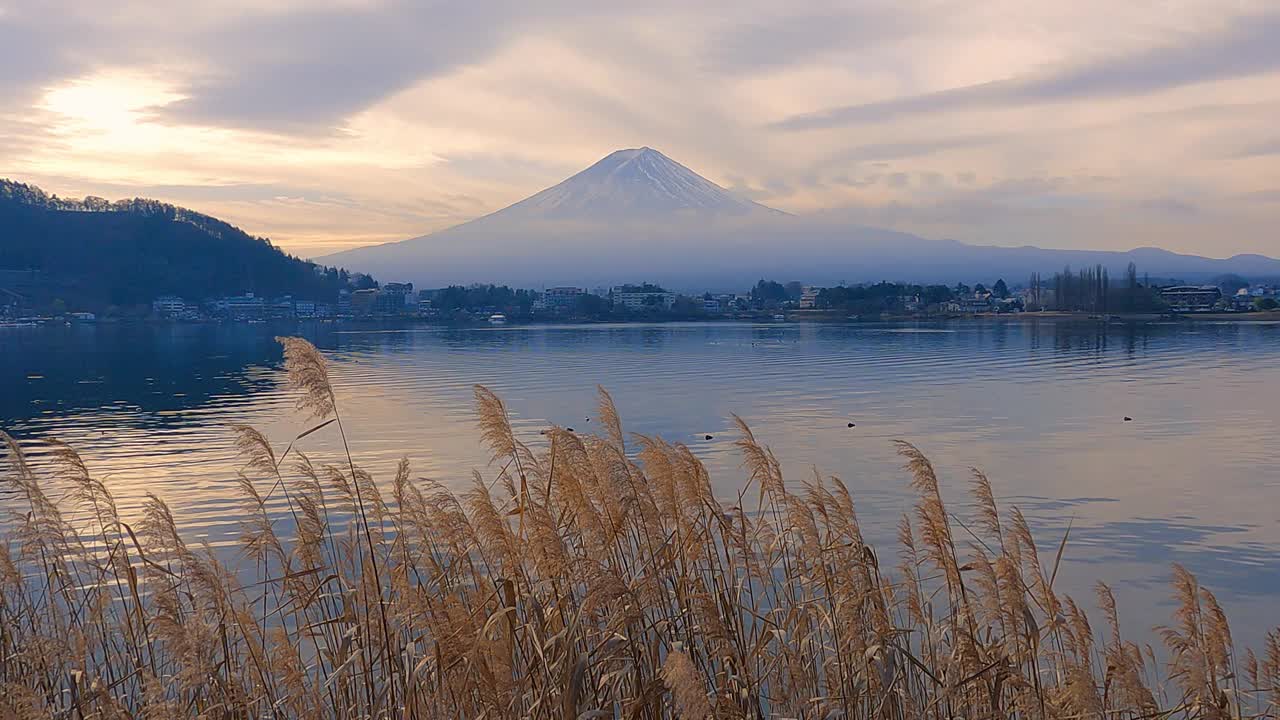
[1039,406]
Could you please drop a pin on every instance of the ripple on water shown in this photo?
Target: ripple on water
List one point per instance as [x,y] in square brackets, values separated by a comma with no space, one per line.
[1038,406]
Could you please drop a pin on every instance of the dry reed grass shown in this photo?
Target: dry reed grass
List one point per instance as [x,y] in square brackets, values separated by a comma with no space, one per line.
[592,579]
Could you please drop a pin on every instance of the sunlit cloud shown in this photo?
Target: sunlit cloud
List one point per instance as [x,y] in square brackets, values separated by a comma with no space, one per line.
[108,102]
[328,125]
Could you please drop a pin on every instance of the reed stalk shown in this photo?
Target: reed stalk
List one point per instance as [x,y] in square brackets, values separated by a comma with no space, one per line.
[595,576]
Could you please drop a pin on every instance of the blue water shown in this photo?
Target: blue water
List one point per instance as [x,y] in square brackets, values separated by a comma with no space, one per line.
[1039,406]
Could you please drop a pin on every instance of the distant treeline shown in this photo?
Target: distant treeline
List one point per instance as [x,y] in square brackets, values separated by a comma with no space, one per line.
[882,297]
[474,297]
[94,254]
[519,302]
[1092,290]
[1087,290]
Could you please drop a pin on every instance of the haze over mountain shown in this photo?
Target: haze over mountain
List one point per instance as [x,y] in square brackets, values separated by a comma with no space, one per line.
[639,215]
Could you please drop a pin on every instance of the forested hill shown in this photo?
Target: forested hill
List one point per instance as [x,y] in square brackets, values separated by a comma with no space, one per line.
[94,253]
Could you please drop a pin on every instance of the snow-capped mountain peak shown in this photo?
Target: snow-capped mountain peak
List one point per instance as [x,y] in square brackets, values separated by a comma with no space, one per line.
[636,182]
[637,215]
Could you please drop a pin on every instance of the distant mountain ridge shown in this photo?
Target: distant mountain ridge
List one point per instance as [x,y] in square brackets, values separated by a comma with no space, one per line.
[93,253]
[638,215]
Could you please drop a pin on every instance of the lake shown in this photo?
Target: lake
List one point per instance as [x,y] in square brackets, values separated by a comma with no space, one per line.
[1039,406]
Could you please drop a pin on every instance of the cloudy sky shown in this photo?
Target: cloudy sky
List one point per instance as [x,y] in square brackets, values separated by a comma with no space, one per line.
[328,124]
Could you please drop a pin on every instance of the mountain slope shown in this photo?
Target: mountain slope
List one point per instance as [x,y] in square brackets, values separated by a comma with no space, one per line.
[632,184]
[93,253]
[638,215]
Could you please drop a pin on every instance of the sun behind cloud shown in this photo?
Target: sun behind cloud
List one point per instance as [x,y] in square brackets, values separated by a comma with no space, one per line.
[1004,123]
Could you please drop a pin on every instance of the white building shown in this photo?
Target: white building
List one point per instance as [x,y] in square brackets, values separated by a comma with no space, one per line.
[282,306]
[247,305]
[403,293]
[978,303]
[562,299]
[808,298]
[643,300]
[168,305]
[1191,298]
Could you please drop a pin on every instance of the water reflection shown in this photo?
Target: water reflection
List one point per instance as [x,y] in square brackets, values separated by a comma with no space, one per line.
[153,369]
[1037,405]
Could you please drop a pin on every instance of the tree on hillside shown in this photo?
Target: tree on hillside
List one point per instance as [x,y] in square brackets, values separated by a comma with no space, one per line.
[482,297]
[935,294]
[769,292]
[1000,289]
[94,253]
[641,288]
[592,306]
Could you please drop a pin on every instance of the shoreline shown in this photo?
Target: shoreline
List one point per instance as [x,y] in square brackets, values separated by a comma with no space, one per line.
[792,317]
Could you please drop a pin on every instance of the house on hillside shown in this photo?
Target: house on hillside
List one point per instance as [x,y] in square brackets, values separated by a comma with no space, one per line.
[1010,305]
[281,307]
[1246,299]
[241,307]
[971,305]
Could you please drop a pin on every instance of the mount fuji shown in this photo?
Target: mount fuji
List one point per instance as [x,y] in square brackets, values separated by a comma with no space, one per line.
[634,184]
[637,215]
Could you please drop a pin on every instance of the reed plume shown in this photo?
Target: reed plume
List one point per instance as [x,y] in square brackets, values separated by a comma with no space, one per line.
[576,577]
[309,375]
